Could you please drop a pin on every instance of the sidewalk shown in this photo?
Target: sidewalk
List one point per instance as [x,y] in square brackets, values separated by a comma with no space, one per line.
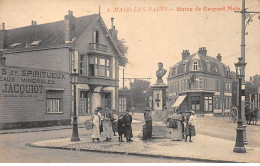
[203,148]
[14,131]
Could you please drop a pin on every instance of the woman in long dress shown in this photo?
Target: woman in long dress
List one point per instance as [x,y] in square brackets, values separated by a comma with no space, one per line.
[128,126]
[176,131]
[107,124]
[96,118]
[114,122]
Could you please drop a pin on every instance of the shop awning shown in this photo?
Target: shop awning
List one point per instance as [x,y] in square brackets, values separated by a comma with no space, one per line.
[179,101]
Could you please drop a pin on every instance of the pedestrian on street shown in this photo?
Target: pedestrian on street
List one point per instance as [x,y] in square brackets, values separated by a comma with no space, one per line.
[190,126]
[96,119]
[114,122]
[128,122]
[107,123]
[176,130]
[182,125]
[121,128]
[133,110]
[148,128]
[101,121]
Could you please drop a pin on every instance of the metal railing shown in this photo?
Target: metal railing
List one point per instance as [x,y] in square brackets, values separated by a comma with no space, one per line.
[97,47]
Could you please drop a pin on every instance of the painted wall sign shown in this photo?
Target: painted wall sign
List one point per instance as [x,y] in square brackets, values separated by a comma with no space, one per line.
[19,82]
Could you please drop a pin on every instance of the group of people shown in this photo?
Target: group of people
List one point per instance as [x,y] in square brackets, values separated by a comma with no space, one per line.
[108,122]
[178,129]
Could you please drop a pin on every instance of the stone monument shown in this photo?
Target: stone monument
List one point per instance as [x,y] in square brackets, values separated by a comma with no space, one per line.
[159,113]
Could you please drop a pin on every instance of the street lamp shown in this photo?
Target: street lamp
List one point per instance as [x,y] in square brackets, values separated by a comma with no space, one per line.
[75,134]
[239,147]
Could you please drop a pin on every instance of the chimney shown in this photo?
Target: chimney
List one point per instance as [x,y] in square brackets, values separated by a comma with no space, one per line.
[202,51]
[2,59]
[112,23]
[3,37]
[113,30]
[69,26]
[185,54]
[35,23]
[219,57]
[32,22]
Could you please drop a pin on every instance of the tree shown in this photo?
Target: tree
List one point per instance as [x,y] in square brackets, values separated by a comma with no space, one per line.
[121,44]
[138,89]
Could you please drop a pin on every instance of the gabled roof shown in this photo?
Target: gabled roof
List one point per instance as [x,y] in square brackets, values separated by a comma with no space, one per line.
[50,34]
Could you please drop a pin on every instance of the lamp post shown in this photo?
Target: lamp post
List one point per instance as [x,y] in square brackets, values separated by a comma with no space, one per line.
[239,147]
[75,134]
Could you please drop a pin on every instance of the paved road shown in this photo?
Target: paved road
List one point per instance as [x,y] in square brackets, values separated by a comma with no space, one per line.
[13,149]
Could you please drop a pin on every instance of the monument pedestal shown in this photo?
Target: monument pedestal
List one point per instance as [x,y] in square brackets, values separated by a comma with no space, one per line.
[158,113]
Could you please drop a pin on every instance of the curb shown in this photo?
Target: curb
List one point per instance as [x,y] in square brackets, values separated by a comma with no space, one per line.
[136,154]
[30,131]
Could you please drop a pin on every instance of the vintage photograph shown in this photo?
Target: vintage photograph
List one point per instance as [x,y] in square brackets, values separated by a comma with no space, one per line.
[120,81]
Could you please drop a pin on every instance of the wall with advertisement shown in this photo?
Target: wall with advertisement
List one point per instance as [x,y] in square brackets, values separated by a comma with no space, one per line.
[23,95]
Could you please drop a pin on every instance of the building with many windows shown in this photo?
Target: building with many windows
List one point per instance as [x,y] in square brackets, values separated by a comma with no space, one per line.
[35,79]
[201,83]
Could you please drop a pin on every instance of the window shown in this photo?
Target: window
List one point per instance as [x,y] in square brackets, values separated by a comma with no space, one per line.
[200,85]
[228,103]
[122,104]
[217,85]
[182,85]
[184,67]
[216,103]
[96,37]
[195,66]
[54,101]
[83,103]
[15,45]
[35,43]
[82,65]
[100,66]
[208,104]
[195,103]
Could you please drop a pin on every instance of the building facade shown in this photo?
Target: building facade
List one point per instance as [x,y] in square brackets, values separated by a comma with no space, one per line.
[201,83]
[43,57]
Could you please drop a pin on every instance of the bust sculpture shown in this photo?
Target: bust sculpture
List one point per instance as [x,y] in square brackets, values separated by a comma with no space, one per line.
[160,73]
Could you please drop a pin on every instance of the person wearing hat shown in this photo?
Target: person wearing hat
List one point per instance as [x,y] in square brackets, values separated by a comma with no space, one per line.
[96,119]
[148,128]
[190,126]
[128,126]
[114,122]
[176,130]
[107,123]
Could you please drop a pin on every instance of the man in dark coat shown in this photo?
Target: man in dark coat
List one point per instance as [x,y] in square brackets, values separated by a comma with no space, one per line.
[121,128]
[127,119]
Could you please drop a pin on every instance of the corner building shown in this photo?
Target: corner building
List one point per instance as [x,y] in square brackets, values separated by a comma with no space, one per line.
[201,83]
[35,79]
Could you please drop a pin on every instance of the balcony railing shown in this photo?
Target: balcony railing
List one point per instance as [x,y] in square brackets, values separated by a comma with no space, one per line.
[97,47]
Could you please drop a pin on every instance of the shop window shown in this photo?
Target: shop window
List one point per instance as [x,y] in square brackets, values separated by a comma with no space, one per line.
[83,103]
[216,102]
[208,107]
[54,101]
[195,103]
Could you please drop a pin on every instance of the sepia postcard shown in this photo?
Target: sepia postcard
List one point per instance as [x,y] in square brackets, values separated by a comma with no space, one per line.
[120,81]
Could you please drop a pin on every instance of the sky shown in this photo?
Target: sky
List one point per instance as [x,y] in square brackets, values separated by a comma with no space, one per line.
[156,31]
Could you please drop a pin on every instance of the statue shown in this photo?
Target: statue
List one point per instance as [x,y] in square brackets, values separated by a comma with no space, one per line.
[160,73]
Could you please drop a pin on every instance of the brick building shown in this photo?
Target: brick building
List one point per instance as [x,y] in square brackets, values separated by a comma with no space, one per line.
[201,83]
[35,79]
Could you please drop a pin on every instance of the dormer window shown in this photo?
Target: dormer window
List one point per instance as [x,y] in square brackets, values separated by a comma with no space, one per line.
[195,66]
[15,45]
[35,43]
